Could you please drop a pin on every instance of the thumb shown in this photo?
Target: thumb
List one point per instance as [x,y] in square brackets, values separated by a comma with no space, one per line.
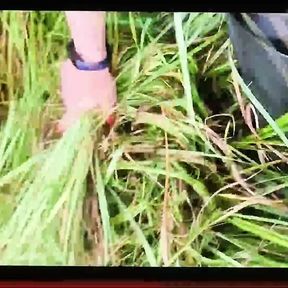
[67,121]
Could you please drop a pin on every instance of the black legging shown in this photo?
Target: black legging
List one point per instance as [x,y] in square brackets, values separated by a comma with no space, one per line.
[265,68]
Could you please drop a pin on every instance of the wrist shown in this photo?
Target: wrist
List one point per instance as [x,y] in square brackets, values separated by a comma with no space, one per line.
[96,61]
[88,32]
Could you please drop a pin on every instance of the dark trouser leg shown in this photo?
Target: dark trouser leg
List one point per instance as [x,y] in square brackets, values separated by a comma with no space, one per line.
[265,68]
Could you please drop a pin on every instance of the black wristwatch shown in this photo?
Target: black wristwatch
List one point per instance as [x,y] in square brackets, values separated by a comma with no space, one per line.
[80,64]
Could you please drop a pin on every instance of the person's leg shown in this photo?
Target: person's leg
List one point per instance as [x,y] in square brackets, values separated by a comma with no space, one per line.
[265,68]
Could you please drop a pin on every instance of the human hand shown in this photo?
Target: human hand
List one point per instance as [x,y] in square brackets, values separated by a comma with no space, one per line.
[83,91]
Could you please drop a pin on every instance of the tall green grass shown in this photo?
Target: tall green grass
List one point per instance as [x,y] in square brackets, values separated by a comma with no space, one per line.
[174,184]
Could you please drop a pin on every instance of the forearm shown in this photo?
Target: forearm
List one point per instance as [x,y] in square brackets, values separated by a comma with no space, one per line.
[88,32]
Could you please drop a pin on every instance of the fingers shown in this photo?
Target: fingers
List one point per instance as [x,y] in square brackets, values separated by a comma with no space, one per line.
[69,119]
[66,122]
